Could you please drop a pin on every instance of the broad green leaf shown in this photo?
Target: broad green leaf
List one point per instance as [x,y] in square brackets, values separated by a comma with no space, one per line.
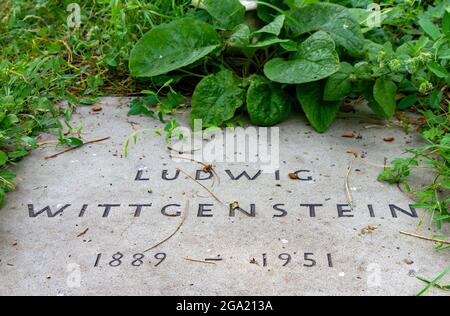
[289,46]
[429,28]
[408,102]
[266,12]
[373,50]
[226,14]
[240,37]
[3,158]
[315,59]
[438,70]
[267,104]
[383,102]
[18,154]
[7,175]
[74,141]
[269,41]
[243,37]
[444,53]
[9,121]
[216,98]
[320,114]
[446,23]
[172,101]
[439,45]
[421,43]
[138,107]
[339,85]
[332,18]
[2,197]
[435,99]
[274,27]
[360,15]
[168,47]
[30,141]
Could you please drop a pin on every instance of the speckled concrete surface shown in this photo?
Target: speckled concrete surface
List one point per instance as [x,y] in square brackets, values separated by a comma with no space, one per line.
[287,248]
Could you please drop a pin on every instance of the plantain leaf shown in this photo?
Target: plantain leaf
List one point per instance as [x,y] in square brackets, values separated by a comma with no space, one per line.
[320,114]
[384,93]
[226,14]
[339,85]
[168,47]
[2,197]
[3,158]
[315,59]
[274,27]
[216,99]
[240,37]
[438,69]
[267,104]
[332,18]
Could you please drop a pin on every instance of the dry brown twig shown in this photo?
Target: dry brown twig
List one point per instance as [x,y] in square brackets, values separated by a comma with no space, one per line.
[199,261]
[84,232]
[132,124]
[48,142]
[69,52]
[174,233]
[347,178]
[446,242]
[208,190]
[76,147]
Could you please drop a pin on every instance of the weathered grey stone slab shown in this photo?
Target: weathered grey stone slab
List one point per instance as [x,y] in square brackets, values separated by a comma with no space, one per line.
[287,247]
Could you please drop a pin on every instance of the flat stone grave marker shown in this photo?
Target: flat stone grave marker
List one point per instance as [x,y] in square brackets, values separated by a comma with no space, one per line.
[94,222]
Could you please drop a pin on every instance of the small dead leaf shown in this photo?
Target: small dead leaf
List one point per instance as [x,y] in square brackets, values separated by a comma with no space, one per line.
[353,152]
[348,135]
[207,168]
[97,108]
[389,139]
[369,229]
[372,227]
[14,243]
[253,261]
[365,231]
[408,261]
[293,176]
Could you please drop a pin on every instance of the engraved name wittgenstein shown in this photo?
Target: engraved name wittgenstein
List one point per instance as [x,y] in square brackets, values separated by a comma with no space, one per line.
[278,210]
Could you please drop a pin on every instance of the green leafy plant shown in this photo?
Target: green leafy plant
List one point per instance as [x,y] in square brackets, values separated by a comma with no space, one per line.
[435,158]
[434,283]
[322,44]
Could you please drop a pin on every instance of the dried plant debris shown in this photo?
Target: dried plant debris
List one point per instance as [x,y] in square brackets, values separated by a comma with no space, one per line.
[369,229]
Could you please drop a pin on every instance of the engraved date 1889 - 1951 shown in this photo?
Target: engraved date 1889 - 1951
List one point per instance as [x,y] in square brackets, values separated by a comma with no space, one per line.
[306,260]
